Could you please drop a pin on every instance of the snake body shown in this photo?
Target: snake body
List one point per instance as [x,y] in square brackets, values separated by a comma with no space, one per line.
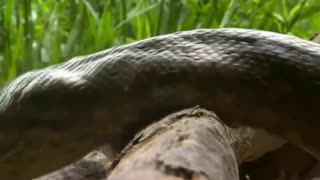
[248,77]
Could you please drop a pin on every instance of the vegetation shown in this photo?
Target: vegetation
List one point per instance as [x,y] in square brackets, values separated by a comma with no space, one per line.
[37,33]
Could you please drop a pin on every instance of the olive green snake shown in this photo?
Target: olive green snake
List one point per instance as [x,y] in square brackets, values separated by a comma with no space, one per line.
[262,79]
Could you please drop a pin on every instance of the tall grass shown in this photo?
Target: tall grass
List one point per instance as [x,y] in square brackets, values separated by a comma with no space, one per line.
[38,33]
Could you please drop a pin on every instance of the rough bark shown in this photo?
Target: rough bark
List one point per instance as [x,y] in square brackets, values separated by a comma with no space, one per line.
[94,166]
[190,144]
[194,144]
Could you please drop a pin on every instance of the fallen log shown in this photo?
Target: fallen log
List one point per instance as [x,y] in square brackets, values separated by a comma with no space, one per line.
[192,144]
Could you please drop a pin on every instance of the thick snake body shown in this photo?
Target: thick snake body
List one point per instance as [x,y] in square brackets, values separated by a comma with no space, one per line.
[248,77]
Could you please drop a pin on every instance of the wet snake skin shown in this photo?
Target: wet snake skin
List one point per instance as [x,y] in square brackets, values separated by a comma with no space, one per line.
[55,115]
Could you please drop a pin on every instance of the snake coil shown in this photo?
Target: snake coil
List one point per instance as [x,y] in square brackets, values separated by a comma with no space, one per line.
[248,77]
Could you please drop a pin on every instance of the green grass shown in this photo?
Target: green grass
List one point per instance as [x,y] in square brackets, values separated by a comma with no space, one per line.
[37,33]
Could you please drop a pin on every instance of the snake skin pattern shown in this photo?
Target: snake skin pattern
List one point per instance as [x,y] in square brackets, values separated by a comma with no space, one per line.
[53,116]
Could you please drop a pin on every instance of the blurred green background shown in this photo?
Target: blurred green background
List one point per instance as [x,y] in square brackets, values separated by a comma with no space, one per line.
[37,33]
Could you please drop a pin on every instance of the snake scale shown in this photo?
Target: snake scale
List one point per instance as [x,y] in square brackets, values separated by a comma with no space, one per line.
[52,116]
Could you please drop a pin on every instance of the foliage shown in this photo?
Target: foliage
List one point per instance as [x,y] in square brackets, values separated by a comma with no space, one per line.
[37,33]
